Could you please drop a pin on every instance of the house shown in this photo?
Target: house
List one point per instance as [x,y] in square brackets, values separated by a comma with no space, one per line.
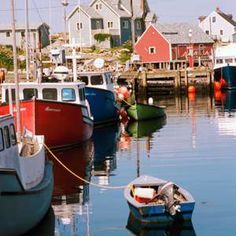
[38,35]
[109,18]
[173,43]
[220,26]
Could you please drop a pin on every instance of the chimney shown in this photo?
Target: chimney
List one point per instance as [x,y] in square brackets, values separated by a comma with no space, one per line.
[217,9]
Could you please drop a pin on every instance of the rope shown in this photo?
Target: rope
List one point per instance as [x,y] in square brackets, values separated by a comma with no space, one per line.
[78,177]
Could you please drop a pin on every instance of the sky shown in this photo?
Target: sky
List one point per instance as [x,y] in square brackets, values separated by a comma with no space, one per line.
[167,10]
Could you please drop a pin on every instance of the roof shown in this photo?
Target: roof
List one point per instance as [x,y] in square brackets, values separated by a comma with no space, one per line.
[178,33]
[35,26]
[227,17]
[89,11]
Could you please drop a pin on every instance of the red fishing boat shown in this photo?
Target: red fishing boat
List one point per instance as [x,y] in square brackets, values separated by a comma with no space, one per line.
[56,109]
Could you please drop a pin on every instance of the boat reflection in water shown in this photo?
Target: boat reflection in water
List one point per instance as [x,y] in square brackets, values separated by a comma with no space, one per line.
[46,227]
[71,195]
[145,229]
[105,141]
[145,128]
[226,112]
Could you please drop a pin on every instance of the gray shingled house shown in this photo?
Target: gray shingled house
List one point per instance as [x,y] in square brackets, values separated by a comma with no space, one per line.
[38,34]
[112,17]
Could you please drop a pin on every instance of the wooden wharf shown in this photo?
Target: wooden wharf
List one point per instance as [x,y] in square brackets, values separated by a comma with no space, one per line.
[169,81]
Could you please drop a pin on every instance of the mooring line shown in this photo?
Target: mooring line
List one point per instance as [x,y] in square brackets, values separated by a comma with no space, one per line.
[78,177]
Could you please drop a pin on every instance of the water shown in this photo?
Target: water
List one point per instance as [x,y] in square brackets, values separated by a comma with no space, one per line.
[193,147]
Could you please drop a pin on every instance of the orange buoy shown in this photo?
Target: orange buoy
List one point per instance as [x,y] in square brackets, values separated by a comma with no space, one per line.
[217,85]
[222,82]
[191,89]
[217,95]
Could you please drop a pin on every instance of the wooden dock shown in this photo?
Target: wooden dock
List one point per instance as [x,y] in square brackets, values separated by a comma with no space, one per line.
[169,81]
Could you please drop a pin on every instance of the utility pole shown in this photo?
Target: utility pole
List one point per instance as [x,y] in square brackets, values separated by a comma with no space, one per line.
[132,24]
[65,3]
[15,70]
[27,40]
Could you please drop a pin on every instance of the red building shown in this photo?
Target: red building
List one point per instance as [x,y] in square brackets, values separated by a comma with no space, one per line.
[178,42]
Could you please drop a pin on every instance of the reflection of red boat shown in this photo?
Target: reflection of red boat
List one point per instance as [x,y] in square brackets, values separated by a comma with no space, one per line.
[77,160]
[60,111]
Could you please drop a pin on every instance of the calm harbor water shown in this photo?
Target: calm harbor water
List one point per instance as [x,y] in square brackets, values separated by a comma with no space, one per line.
[193,147]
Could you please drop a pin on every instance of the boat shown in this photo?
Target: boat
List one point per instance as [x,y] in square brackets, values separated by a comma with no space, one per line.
[225,66]
[158,201]
[101,95]
[141,111]
[57,109]
[26,179]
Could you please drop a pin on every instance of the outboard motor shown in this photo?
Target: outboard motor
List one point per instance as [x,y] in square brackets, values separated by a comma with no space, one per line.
[167,193]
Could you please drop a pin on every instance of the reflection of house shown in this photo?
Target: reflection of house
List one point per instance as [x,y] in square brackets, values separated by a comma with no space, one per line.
[172,43]
[218,25]
[111,17]
[38,35]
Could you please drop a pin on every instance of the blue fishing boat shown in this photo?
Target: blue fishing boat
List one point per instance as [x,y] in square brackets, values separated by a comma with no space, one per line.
[101,96]
[225,66]
[26,180]
[155,200]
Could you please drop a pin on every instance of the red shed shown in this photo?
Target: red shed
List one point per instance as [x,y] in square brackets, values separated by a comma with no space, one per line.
[153,47]
[173,42]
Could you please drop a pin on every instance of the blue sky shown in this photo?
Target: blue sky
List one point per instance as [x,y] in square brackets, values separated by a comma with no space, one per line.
[167,10]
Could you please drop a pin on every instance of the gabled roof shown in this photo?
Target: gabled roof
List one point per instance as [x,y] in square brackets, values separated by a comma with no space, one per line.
[178,33]
[227,17]
[89,11]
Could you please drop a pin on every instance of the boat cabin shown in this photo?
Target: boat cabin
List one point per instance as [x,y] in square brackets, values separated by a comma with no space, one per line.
[73,92]
[95,79]
[225,55]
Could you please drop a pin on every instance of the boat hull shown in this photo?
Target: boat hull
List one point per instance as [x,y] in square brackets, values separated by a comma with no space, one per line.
[23,210]
[62,124]
[140,111]
[102,104]
[228,73]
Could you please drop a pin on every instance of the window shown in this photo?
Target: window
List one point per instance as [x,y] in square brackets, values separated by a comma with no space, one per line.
[6,136]
[68,94]
[82,94]
[84,79]
[207,32]
[1,140]
[229,60]
[50,93]
[125,24]
[219,61]
[13,95]
[79,26]
[96,6]
[13,135]
[98,24]
[152,50]
[139,25]
[8,34]
[22,34]
[213,19]
[96,80]
[30,93]
[110,24]
[221,32]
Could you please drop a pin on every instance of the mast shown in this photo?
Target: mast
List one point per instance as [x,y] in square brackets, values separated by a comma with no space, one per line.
[15,70]
[132,24]
[27,38]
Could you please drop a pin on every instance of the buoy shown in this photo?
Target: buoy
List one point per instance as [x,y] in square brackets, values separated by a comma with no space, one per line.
[191,89]
[217,95]
[150,101]
[222,82]
[191,97]
[123,90]
[120,96]
[217,85]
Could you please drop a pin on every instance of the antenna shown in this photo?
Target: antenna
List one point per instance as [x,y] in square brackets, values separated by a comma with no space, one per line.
[65,3]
